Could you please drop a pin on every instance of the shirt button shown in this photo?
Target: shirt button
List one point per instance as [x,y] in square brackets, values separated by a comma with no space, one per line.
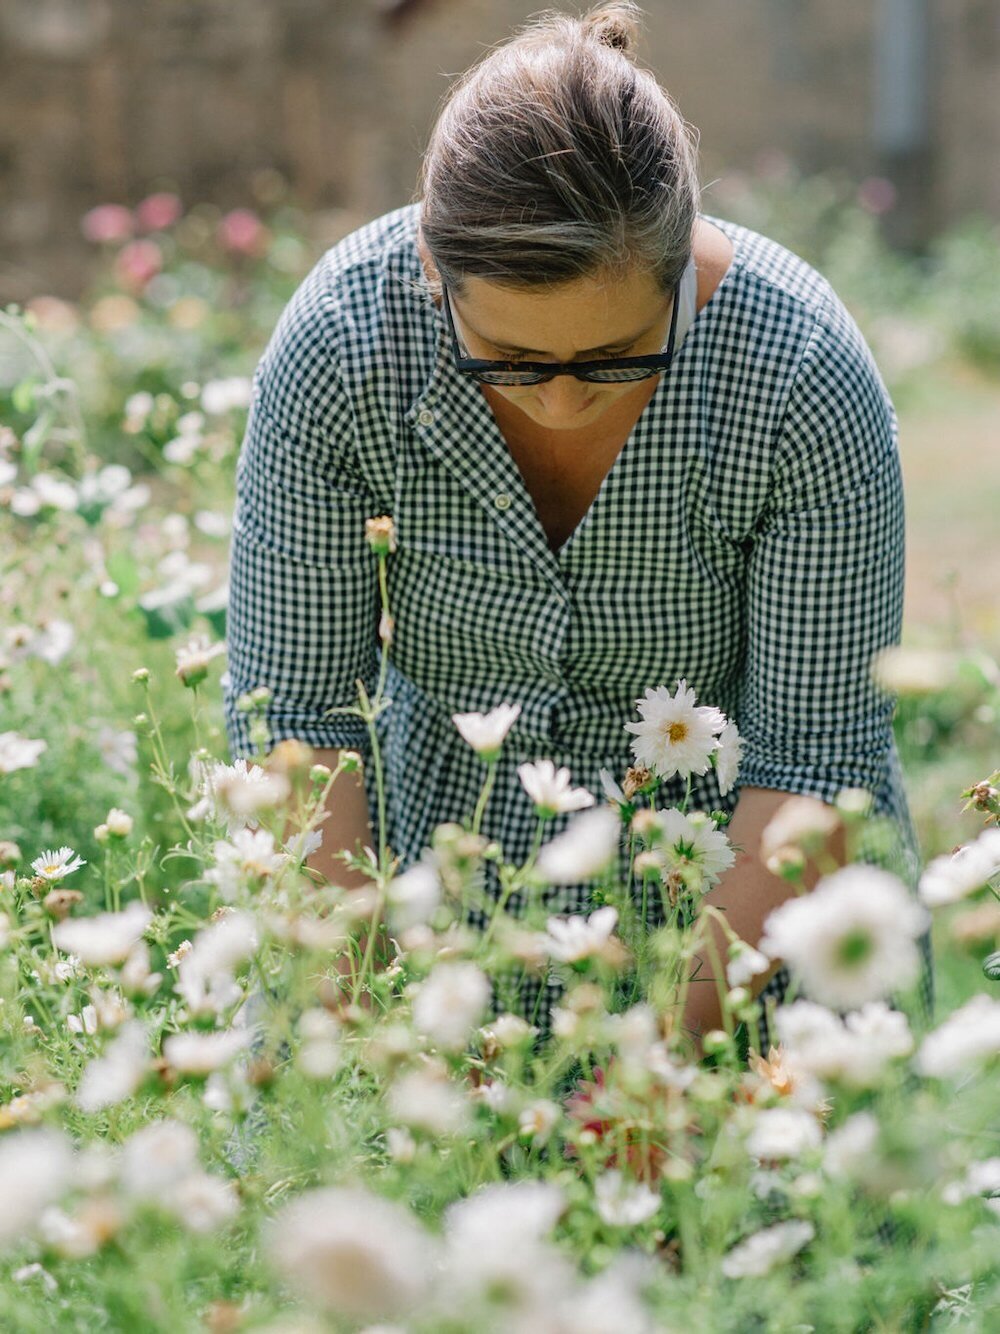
[426,417]
[502,501]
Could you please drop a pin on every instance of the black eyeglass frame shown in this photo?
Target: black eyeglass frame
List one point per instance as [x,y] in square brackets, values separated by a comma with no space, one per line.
[540,371]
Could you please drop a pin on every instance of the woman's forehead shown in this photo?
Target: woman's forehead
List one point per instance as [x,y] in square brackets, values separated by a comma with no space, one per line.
[595,312]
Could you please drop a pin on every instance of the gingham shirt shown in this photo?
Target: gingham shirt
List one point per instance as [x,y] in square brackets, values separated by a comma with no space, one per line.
[749,538]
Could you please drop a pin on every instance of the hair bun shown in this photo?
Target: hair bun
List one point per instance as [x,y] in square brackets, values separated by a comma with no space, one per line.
[615,25]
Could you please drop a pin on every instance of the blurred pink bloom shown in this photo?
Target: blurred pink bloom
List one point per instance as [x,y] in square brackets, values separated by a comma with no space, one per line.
[877,194]
[243,233]
[158,211]
[773,165]
[137,263]
[107,222]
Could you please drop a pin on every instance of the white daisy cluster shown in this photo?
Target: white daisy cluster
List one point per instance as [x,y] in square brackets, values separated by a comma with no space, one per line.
[678,736]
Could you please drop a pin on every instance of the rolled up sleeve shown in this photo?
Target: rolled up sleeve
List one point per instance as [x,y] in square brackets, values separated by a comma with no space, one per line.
[825,582]
[303,596]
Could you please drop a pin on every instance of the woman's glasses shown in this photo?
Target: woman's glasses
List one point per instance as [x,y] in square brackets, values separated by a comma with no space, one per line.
[612,370]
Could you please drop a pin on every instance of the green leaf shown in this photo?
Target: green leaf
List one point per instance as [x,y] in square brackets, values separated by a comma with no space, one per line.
[164,619]
[121,567]
[23,396]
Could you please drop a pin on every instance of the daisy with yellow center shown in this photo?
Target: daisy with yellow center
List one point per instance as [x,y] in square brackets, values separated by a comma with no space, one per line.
[675,736]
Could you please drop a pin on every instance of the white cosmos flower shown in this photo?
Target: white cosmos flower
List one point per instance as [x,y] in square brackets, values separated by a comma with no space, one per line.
[951,878]
[106,938]
[612,790]
[249,855]
[676,736]
[486,732]
[156,1157]
[800,822]
[234,793]
[201,1053]
[54,865]
[495,1242]
[758,1254]
[571,938]
[118,750]
[203,1202]
[36,1167]
[854,1050]
[968,1036]
[194,656]
[728,757]
[18,752]
[583,850]
[414,896]
[745,964]
[852,939]
[359,1256]
[781,1133]
[624,1203]
[450,1003]
[549,788]
[427,1100]
[116,1075]
[850,1149]
[692,841]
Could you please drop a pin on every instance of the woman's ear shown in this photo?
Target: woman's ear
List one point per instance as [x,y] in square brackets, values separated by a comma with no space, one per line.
[430,268]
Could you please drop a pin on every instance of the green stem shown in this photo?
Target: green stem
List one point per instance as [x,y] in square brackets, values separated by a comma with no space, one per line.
[484,795]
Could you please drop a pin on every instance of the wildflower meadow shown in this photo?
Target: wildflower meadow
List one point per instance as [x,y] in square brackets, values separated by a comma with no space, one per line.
[235,1095]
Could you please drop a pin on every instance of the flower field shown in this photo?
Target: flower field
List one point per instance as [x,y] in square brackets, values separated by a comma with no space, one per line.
[234,1096]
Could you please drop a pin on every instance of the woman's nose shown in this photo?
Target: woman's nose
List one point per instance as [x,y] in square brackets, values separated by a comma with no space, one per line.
[563,395]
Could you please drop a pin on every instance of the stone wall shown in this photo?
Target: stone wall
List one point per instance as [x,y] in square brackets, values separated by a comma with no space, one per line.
[107,100]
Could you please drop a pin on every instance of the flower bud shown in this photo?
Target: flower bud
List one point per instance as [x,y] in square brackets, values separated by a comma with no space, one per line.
[10,853]
[380,534]
[141,675]
[118,823]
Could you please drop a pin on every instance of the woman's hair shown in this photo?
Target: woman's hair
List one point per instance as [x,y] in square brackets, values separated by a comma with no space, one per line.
[555,157]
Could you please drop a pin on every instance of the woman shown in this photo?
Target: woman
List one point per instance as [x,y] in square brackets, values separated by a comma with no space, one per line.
[623,442]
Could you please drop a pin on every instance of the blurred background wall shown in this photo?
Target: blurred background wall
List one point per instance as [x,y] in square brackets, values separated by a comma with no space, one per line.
[222,100]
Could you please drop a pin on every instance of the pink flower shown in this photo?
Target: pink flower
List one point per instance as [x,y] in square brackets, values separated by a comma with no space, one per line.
[243,233]
[137,263]
[106,223]
[877,194]
[158,211]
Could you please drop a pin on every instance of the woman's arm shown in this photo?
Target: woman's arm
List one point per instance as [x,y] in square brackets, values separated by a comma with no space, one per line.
[747,893]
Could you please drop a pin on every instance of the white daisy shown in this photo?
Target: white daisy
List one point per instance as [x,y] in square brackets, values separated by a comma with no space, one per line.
[676,736]
[201,1053]
[194,656]
[692,842]
[18,752]
[105,938]
[951,878]
[583,850]
[782,1133]
[54,865]
[728,757]
[115,1076]
[249,856]
[549,788]
[569,939]
[450,1003]
[853,939]
[968,1036]
[623,1203]
[359,1256]
[758,1254]
[745,963]
[486,732]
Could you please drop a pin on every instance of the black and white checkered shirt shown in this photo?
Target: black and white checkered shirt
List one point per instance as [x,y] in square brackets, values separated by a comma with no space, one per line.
[748,538]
